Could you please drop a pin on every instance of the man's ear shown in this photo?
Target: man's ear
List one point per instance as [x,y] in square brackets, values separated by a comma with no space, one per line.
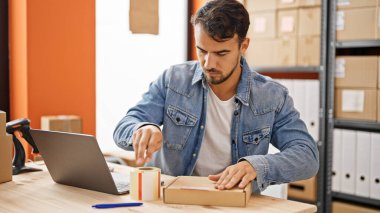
[244,46]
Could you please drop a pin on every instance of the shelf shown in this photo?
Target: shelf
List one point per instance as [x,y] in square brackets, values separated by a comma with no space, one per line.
[358,44]
[294,69]
[357,125]
[356,199]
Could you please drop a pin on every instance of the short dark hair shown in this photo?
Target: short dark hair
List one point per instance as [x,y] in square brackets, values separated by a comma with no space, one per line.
[222,19]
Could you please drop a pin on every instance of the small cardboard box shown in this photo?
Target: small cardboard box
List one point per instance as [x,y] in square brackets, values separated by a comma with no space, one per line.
[284,4]
[355,3]
[303,189]
[356,71]
[308,53]
[310,3]
[356,24]
[261,52]
[356,104]
[286,51]
[260,5]
[340,207]
[309,21]
[6,149]
[263,25]
[62,123]
[287,23]
[200,191]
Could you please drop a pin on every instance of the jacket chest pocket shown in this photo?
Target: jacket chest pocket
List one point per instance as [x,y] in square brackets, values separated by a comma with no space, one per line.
[177,127]
[256,138]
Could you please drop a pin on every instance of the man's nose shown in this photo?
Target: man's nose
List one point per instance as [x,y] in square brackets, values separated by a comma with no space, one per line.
[210,61]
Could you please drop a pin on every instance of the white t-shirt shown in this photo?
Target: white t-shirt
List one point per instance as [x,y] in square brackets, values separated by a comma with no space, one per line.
[215,153]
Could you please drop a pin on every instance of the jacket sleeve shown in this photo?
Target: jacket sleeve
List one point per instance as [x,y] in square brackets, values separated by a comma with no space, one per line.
[149,110]
[298,158]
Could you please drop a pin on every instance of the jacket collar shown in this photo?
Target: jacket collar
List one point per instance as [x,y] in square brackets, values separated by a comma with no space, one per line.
[243,89]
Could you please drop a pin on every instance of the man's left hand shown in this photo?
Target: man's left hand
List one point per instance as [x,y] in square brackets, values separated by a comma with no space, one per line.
[242,172]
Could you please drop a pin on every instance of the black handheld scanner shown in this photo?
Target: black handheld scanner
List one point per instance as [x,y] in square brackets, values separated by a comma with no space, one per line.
[20,130]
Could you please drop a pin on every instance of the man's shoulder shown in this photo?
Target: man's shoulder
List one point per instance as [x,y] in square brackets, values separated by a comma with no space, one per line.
[265,83]
[183,72]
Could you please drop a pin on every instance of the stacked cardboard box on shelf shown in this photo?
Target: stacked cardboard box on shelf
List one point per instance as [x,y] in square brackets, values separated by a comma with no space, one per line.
[356,87]
[357,20]
[284,32]
[62,123]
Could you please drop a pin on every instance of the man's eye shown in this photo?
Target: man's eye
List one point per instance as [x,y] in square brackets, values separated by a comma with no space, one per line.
[221,54]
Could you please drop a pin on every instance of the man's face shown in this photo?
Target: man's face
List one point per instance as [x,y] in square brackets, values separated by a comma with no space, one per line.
[219,60]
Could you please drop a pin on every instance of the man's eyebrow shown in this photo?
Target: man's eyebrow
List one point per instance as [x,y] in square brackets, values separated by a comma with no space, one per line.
[220,51]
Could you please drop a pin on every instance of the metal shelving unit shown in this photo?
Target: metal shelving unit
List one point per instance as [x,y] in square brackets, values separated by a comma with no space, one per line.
[357,125]
[323,201]
[336,48]
[357,44]
[296,69]
[357,199]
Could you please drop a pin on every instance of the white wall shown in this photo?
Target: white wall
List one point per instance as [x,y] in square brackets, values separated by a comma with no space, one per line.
[126,63]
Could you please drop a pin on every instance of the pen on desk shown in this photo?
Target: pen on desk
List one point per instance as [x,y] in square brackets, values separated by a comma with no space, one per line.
[114,205]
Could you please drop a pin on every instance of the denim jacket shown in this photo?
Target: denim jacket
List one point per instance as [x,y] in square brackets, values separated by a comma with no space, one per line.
[263,114]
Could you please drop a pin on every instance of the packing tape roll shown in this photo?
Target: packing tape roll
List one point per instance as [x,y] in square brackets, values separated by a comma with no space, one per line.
[145,183]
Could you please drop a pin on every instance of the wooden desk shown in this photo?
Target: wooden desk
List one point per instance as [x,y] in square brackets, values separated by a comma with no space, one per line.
[37,192]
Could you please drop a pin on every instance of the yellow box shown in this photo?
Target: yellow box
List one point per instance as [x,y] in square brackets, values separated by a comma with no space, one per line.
[260,5]
[286,51]
[194,190]
[284,4]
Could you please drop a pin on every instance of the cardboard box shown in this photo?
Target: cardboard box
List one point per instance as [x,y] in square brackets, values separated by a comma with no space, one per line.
[62,123]
[356,71]
[261,52]
[200,191]
[287,23]
[310,3]
[378,105]
[356,3]
[356,104]
[308,53]
[356,24]
[309,21]
[283,4]
[260,5]
[263,25]
[303,189]
[143,16]
[6,150]
[286,51]
[340,207]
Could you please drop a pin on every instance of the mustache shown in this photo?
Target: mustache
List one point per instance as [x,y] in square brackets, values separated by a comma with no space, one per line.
[212,70]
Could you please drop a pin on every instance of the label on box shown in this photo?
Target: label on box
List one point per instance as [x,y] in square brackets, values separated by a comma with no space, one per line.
[340,68]
[259,24]
[287,24]
[353,100]
[378,19]
[340,20]
[287,1]
[343,2]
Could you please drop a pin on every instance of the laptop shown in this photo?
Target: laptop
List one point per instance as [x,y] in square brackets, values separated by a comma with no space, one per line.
[76,160]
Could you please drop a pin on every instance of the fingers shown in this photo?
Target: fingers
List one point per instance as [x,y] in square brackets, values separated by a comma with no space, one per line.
[215,177]
[146,140]
[239,174]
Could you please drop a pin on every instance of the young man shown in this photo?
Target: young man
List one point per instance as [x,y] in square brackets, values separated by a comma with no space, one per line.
[217,115]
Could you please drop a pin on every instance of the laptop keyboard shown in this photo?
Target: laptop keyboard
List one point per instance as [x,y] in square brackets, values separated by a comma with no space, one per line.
[121,181]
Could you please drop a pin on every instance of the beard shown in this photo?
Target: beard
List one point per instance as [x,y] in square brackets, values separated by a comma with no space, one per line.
[216,79]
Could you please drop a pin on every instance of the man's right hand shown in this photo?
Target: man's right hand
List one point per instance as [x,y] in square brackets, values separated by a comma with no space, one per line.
[146,140]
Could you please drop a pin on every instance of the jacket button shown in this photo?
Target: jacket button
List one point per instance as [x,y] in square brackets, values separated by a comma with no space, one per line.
[236,100]
[178,119]
[236,113]
[194,155]
[233,141]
